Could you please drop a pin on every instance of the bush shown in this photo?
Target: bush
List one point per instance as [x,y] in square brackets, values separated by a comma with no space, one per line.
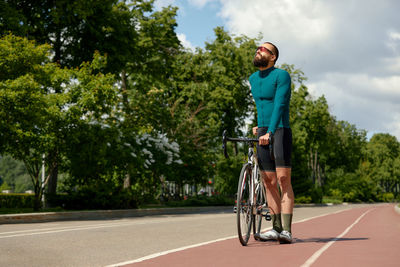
[227,173]
[87,198]
[303,200]
[386,197]
[316,194]
[17,200]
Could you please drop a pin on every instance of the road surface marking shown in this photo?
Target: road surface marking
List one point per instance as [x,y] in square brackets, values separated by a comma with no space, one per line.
[158,254]
[72,228]
[124,222]
[318,253]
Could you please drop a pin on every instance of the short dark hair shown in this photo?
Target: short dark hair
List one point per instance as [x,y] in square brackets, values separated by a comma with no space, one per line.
[276,51]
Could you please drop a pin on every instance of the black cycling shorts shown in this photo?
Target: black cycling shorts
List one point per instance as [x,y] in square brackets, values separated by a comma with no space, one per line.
[282,147]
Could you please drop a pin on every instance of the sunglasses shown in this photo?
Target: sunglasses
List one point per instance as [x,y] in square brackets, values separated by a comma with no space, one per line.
[263,49]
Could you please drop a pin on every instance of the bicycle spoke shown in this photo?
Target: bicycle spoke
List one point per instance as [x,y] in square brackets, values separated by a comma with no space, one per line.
[244,208]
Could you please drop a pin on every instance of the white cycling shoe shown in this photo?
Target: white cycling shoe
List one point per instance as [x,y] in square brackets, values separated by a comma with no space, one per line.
[269,235]
[285,237]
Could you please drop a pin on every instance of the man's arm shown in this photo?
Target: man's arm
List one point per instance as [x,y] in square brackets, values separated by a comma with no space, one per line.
[282,98]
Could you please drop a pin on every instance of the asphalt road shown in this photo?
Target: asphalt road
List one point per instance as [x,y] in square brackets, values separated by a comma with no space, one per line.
[108,242]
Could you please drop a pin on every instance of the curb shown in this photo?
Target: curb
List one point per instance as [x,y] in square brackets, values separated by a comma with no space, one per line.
[397,208]
[103,214]
[118,214]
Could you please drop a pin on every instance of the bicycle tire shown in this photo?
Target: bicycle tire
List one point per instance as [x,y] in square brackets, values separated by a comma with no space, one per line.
[260,202]
[243,205]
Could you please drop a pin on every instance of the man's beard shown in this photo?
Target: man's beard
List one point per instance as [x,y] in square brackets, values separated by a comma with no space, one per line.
[260,62]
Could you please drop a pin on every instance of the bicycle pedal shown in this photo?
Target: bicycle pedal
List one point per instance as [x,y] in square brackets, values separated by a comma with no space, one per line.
[235,209]
[267,217]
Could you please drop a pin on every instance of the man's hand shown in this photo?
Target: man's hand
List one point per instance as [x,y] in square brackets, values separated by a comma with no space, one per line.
[264,140]
[255,130]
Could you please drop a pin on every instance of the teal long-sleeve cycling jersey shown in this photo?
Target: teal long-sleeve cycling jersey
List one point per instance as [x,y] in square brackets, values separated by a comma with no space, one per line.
[271,90]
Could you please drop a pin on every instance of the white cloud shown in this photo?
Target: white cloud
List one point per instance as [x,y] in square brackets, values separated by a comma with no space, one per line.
[391,64]
[371,103]
[393,41]
[185,42]
[349,50]
[301,20]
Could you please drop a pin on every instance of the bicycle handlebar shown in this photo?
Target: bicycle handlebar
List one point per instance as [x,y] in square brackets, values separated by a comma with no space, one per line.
[246,140]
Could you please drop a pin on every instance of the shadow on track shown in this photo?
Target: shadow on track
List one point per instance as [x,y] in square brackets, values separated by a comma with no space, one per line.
[326,239]
[306,240]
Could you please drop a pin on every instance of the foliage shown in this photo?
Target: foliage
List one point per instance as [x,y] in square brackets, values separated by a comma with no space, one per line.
[40,103]
[99,196]
[13,175]
[227,173]
[107,93]
[303,200]
[16,200]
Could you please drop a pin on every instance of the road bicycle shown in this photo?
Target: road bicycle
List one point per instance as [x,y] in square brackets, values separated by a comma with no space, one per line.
[251,205]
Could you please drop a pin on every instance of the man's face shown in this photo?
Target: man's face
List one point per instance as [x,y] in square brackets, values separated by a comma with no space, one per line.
[263,57]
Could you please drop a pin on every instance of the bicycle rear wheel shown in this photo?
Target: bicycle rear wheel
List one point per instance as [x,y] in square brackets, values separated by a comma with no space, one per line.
[260,204]
[243,204]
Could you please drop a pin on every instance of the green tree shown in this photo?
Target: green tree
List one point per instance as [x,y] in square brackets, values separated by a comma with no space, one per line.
[383,153]
[139,43]
[75,29]
[13,175]
[39,101]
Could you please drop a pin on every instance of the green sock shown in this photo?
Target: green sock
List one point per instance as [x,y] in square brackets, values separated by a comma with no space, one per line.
[287,222]
[276,222]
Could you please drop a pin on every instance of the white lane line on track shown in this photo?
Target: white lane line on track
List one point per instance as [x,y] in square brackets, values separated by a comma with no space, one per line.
[158,254]
[318,253]
[53,230]
[71,228]
[66,230]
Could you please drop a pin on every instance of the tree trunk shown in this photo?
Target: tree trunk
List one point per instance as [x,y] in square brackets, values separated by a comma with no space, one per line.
[311,165]
[37,202]
[124,91]
[57,48]
[52,183]
[127,181]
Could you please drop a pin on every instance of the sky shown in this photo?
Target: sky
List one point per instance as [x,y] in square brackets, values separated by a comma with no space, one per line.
[348,49]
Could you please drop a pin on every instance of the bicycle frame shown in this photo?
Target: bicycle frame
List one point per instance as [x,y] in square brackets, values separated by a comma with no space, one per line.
[256,195]
[252,161]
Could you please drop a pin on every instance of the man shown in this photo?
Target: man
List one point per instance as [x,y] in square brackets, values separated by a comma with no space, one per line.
[271,90]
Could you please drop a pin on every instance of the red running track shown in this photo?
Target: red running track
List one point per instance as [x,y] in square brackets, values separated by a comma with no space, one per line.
[368,236]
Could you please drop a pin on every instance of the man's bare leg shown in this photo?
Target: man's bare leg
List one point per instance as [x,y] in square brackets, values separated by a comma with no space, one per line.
[272,192]
[287,199]
[280,203]
[287,203]
[274,203]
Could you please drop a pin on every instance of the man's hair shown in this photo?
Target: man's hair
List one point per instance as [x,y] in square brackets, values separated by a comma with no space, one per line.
[276,51]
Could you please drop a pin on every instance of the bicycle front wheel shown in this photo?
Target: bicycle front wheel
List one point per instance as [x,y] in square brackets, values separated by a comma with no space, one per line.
[243,204]
[260,204]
